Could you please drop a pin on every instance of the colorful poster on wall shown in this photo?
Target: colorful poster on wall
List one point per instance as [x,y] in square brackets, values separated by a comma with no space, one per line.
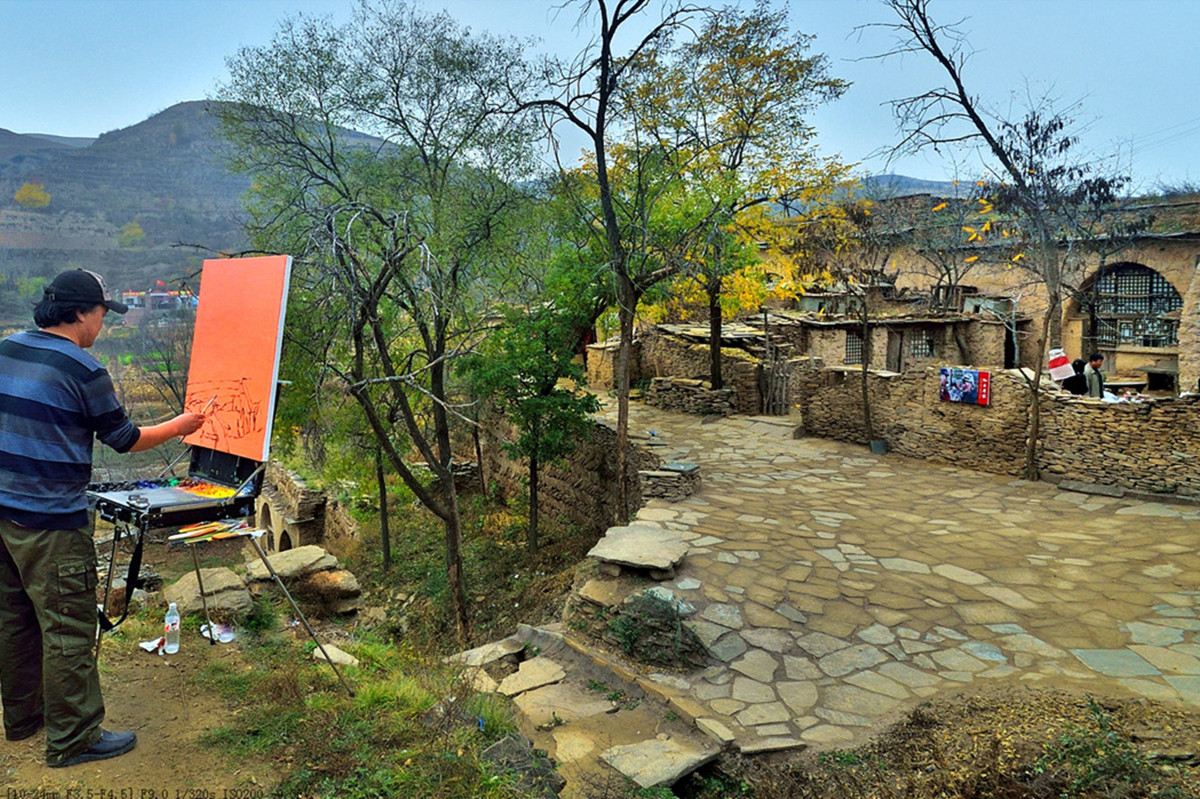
[965,385]
[235,353]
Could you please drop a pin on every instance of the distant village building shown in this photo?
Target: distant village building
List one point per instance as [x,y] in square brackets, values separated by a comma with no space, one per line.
[1139,306]
[143,304]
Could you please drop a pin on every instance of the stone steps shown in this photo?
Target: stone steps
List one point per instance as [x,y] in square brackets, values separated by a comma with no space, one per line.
[602,721]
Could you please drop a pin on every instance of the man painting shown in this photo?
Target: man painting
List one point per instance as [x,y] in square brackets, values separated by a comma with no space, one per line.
[55,399]
[1091,373]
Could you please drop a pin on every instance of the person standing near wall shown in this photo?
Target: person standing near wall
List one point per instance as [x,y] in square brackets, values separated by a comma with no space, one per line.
[55,400]
[1077,383]
[1093,376]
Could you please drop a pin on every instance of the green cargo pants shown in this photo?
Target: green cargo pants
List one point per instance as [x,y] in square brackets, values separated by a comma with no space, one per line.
[48,636]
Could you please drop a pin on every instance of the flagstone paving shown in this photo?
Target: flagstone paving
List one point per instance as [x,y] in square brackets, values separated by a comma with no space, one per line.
[834,587]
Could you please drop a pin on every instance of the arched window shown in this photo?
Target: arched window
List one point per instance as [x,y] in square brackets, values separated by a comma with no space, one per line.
[1133,304]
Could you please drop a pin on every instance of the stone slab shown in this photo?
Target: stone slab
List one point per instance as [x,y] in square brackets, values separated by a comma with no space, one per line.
[336,656]
[761,746]
[1081,487]
[657,762]
[563,701]
[532,674]
[641,547]
[1115,662]
[224,592]
[488,653]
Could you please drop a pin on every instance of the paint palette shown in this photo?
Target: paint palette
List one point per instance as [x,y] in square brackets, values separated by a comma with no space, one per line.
[218,486]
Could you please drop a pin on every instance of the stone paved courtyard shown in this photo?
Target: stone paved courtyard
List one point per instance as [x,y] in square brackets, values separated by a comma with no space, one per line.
[836,588]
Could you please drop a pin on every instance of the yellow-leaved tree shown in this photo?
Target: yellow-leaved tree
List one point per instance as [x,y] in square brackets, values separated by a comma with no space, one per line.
[32,195]
[131,234]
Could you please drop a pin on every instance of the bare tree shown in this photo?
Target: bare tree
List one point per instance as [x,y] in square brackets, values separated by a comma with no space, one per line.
[1055,198]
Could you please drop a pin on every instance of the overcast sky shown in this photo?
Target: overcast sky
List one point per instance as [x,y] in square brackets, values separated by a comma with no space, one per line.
[83,67]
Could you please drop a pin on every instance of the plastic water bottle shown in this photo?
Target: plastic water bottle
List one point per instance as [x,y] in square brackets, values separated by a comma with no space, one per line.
[171,630]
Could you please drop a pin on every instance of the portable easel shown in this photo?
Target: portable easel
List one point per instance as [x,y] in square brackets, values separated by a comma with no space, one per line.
[195,537]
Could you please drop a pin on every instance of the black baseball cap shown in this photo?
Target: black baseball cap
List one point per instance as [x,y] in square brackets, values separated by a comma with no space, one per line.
[80,285]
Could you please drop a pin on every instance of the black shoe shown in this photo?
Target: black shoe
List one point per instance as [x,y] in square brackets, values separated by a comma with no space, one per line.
[111,744]
[13,735]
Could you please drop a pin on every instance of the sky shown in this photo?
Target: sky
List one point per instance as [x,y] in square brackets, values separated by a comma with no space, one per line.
[84,67]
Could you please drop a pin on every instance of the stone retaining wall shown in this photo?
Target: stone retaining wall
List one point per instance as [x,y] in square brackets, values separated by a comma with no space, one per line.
[296,514]
[582,489]
[1152,446]
[1189,331]
[689,396]
[601,363]
[674,482]
[664,355]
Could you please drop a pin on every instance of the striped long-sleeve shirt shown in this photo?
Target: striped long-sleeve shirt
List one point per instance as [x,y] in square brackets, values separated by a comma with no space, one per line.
[55,399]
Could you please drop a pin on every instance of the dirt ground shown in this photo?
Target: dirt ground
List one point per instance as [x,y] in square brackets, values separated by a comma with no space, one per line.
[151,695]
[986,741]
[154,696]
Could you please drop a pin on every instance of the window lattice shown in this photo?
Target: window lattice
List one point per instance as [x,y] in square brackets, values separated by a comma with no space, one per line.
[922,346]
[1131,306]
[854,347]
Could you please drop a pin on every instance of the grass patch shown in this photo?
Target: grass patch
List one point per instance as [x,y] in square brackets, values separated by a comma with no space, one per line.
[412,729]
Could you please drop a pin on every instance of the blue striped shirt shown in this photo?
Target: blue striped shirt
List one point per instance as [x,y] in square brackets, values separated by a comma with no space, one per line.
[55,400]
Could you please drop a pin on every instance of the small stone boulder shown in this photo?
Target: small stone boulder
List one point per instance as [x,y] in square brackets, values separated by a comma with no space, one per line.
[224,592]
[313,575]
[337,656]
[330,585]
[292,564]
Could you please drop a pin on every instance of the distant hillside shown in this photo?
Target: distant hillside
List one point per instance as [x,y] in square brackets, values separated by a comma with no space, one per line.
[70,141]
[901,186]
[17,148]
[166,174]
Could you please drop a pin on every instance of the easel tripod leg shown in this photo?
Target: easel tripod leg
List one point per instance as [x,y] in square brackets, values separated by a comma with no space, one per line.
[108,581]
[299,615]
[212,633]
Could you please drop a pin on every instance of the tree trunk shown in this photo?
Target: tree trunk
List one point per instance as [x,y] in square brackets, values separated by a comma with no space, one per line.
[713,289]
[454,570]
[531,541]
[483,486]
[866,365]
[626,304]
[1035,400]
[385,538]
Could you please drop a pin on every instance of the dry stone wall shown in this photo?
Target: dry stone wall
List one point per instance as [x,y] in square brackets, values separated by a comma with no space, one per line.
[689,396]
[582,490]
[601,363]
[1150,447]
[1189,337]
[665,355]
[907,414]
[307,515]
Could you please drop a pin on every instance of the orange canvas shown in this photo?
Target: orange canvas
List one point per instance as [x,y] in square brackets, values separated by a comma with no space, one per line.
[235,353]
